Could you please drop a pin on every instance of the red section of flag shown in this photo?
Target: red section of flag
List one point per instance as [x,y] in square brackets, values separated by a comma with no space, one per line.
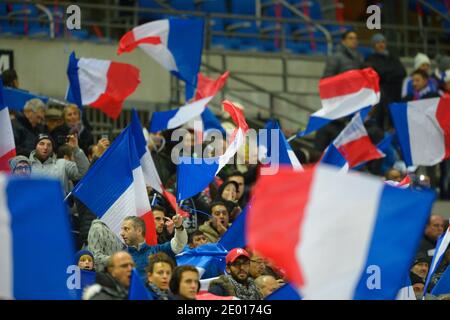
[4,165]
[262,224]
[128,43]
[173,202]
[349,82]
[443,117]
[123,80]
[359,151]
[207,87]
[150,235]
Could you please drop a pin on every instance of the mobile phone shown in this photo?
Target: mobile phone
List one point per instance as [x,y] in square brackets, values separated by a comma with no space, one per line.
[105,136]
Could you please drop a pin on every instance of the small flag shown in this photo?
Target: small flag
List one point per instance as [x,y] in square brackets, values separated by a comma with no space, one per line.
[7,145]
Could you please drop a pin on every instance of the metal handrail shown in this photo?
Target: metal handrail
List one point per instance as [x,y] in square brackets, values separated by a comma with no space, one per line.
[51,21]
[321,28]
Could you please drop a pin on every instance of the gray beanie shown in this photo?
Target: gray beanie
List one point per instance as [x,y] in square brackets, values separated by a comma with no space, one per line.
[13,162]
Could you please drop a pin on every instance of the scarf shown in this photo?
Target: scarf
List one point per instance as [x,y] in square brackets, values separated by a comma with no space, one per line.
[162,295]
[250,292]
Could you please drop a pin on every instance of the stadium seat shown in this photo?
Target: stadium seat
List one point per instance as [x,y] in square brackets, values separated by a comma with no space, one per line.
[217,24]
[147,16]
[240,28]
[23,25]
[183,5]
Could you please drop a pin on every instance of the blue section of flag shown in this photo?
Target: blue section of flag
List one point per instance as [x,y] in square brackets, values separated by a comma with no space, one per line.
[138,291]
[443,285]
[333,157]
[210,121]
[15,99]
[110,176]
[138,135]
[74,93]
[43,247]
[193,178]
[210,257]
[314,124]
[160,120]
[234,237]
[399,114]
[393,224]
[286,292]
[437,257]
[186,45]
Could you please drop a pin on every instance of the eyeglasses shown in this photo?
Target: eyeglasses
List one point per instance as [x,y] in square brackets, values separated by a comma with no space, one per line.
[258,261]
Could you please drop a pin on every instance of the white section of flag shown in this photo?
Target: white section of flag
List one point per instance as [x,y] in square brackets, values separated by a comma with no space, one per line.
[92,75]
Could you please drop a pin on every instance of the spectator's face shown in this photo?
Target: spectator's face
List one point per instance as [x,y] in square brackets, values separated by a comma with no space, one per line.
[72,116]
[447,86]
[159,220]
[199,240]
[131,236]
[44,149]
[419,82]
[240,181]
[240,269]
[351,41]
[257,266]
[380,46]
[435,228]
[162,272]
[22,169]
[394,175]
[188,285]
[269,286]
[86,263]
[35,118]
[229,193]
[121,270]
[421,269]
[220,214]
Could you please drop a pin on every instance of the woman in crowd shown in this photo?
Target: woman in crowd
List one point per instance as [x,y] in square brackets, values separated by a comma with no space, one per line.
[159,273]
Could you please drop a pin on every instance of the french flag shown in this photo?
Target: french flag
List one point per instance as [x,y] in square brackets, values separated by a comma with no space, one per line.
[209,259]
[404,183]
[278,151]
[439,252]
[443,285]
[355,223]
[115,188]
[36,245]
[149,170]
[353,145]
[204,170]
[7,146]
[102,84]
[176,44]
[423,129]
[343,95]
[137,290]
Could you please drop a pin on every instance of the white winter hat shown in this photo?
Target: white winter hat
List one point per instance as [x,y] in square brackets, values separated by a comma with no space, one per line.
[421,59]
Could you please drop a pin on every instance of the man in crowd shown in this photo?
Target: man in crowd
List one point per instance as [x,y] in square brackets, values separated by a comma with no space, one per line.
[421,265]
[391,72]
[346,56]
[421,87]
[196,239]
[164,225]
[114,284]
[185,283]
[216,227]
[27,127]
[53,119]
[133,233]
[257,265]
[44,162]
[237,282]
[239,178]
[433,231]
[266,285]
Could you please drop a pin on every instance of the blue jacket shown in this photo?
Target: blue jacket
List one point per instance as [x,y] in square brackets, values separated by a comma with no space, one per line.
[140,256]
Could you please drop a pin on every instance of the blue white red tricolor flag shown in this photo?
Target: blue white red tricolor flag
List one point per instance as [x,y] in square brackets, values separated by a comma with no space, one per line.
[115,187]
[423,129]
[102,84]
[343,95]
[176,44]
[342,220]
